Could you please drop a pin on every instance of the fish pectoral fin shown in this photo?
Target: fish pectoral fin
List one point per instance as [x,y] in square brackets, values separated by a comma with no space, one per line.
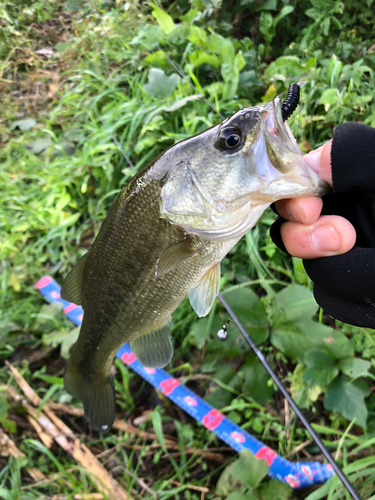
[71,289]
[154,350]
[203,295]
[174,255]
[97,395]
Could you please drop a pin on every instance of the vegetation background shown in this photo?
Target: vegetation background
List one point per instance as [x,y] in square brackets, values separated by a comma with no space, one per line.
[74,73]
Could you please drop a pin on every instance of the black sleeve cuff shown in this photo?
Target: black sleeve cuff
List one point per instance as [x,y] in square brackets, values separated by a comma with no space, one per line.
[353,158]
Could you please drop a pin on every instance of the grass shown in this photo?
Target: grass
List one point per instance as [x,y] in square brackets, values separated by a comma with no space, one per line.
[60,176]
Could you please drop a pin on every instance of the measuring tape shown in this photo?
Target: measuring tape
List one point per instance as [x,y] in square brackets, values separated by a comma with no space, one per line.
[297,475]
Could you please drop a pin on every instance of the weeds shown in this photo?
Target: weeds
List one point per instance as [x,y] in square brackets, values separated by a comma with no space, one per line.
[72,75]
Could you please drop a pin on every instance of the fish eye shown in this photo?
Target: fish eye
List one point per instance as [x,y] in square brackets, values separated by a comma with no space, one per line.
[229,139]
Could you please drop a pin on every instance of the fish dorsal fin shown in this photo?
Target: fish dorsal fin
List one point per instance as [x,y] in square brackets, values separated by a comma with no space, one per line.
[174,255]
[203,295]
[154,350]
[72,286]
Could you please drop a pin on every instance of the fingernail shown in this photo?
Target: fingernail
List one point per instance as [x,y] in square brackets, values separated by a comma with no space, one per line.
[313,159]
[326,239]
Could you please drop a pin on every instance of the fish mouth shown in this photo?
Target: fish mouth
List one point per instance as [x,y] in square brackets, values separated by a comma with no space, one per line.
[280,165]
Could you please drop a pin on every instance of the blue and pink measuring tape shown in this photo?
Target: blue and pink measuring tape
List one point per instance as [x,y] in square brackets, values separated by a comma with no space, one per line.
[297,475]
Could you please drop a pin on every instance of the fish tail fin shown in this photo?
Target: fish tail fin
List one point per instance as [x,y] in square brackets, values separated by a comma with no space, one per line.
[97,395]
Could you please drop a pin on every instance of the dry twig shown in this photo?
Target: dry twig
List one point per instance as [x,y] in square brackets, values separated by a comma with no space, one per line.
[7,447]
[66,439]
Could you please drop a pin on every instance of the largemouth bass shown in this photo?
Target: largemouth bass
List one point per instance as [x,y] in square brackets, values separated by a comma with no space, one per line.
[164,238]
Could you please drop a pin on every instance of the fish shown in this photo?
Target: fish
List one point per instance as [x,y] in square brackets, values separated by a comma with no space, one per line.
[164,237]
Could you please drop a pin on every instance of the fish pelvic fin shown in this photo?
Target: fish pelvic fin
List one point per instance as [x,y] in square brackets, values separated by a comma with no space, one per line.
[154,350]
[71,289]
[203,295]
[97,395]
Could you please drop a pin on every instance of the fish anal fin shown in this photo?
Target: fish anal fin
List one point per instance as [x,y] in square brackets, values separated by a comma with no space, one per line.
[71,289]
[154,349]
[174,255]
[97,396]
[203,295]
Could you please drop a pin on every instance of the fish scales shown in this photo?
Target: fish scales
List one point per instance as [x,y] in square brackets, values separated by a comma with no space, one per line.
[124,292]
[164,238]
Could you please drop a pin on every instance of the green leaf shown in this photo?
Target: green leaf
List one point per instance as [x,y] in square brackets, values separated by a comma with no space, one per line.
[181,102]
[6,494]
[8,426]
[248,469]
[70,220]
[158,429]
[275,490]
[200,57]
[63,46]
[49,378]
[353,367]
[198,36]
[223,47]
[40,145]
[266,26]
[227,483]
[3,405]
[286,10]
[256,378]
[230,75]
[190,16]
[329,96]
[73,5]
[250,311]
[321,368]
[347,398]
[74,134]
[299,390]
[313,13]
[163,19]
[269,5]
[287,67]
[240,62]
[159,84]
[293,330]
[300,274]
[237,495]
[157,58]
[64,339]
[199,333]
[322,5]
[24,125]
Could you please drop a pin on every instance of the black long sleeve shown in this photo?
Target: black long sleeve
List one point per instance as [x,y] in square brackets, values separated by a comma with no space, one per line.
[344,285]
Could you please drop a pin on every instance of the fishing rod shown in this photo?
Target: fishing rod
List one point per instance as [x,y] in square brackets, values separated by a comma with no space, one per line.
[345,481]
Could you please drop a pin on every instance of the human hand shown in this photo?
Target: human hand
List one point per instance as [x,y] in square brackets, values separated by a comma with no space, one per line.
[339,259]
[307,234]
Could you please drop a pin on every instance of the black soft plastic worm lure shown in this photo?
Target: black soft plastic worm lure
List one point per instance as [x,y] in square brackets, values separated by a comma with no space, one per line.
[291,102]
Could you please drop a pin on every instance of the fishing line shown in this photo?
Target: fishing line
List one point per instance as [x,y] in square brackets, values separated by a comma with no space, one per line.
[126,157]
[345,481]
